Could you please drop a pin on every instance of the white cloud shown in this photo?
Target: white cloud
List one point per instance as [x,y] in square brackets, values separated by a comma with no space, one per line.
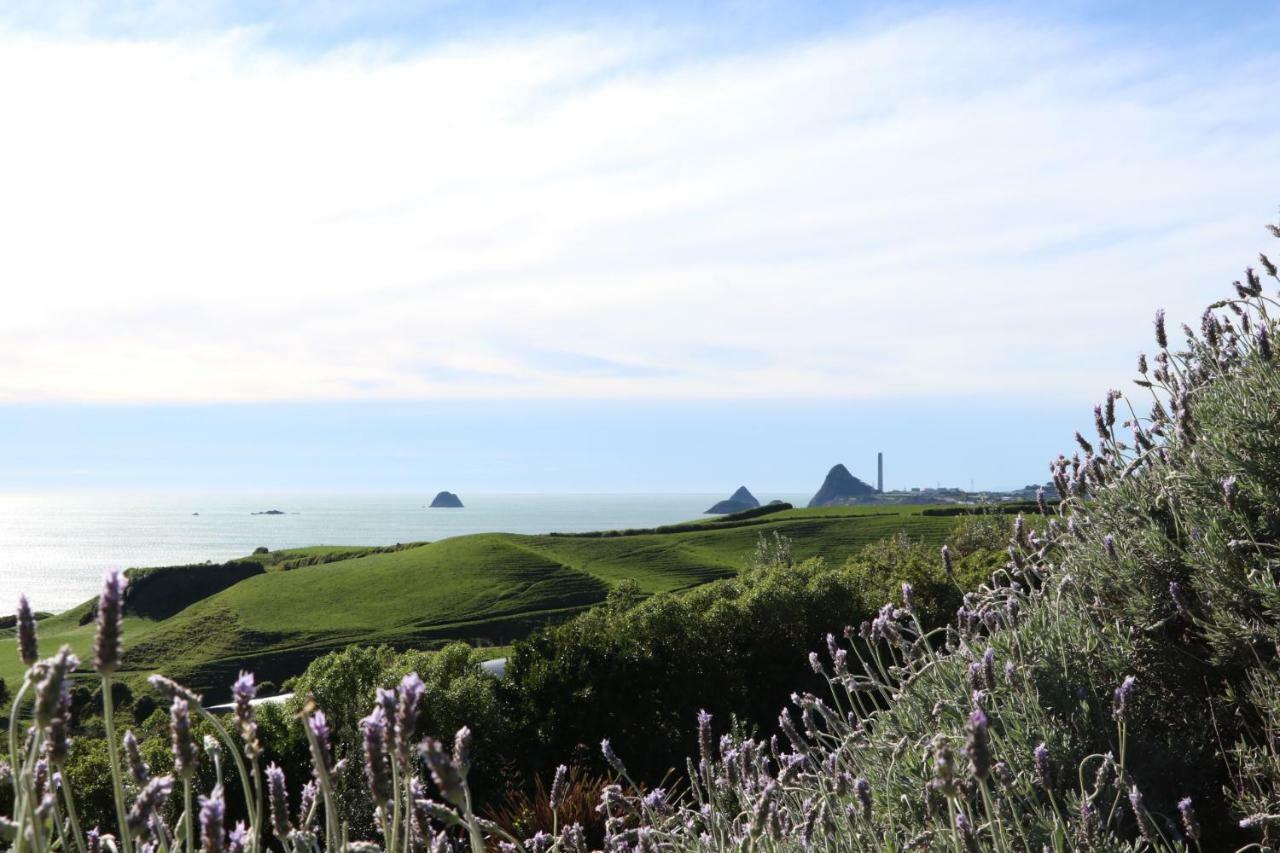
[947,205]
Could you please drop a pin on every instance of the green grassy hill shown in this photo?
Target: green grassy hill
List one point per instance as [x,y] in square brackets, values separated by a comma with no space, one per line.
[273,613]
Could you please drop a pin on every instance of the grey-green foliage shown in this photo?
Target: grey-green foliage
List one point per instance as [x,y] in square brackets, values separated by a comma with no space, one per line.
[1159,565]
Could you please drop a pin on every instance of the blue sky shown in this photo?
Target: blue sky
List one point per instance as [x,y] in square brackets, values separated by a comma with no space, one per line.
[528,446]
[633,246]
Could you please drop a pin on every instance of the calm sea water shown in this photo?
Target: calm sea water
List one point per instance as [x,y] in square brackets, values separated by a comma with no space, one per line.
[56,547]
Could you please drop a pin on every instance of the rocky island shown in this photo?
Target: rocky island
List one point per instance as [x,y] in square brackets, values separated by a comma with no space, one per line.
[841,487]
[737,502]
[446,500]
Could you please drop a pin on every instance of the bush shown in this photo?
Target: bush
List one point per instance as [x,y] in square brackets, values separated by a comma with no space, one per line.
[638,672]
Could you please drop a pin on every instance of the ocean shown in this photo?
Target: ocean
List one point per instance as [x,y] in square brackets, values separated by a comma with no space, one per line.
[55,547]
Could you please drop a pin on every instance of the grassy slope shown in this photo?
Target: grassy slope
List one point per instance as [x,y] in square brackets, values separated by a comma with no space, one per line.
[486,588]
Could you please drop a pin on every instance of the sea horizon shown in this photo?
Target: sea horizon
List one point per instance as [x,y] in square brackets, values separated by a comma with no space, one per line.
[55,546]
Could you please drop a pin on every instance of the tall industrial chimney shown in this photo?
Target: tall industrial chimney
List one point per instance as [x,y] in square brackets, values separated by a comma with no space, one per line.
[880,472]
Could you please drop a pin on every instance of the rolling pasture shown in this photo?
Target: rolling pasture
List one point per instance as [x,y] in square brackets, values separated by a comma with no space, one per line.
[275,612]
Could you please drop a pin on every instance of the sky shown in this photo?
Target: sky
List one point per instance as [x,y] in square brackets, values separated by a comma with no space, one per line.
[605,247]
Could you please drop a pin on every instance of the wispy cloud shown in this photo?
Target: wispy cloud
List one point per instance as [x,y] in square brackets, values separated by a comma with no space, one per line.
[955,203]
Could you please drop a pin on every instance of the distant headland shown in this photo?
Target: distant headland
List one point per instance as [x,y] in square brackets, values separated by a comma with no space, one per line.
[446,500]
[737,502]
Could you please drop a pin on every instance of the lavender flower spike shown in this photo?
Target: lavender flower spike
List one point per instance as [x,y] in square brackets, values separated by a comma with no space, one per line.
[978,747]
[606,748]
[705,743]
[410,695]
[149,802]
[171,689]
[1162,339]
[213,813]
[1230,488]
[278,797]
[443,772]
[1044,770]
[26,623]
[862,789]
[462,751]
[376,771]
[185,755]
[1120,699]
[242,694]
[238,840]
[1189,822]
[56,671]
[106,645]
[319,725]
[138,768]
[558,784]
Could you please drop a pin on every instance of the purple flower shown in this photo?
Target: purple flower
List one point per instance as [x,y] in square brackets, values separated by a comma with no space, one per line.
[138,768]
[1230,488]
[862,790]
[763,809]
[462,741]
[612,757]
[944,766]
[376,771]
[1179,596]
[558,784]
[1109,545]
[947,565]
[965,828]
[443,772]
[1255,284]
[655,800]
[278,798]
[908,596]
[106,645]
[238,840]
[57,734]
[705,743]
[788,727]
[410,696]
[49,689]
[1162,339]
[171,689]
[319,726]
[1084,444]
[185,755]
[989,668]
[93,841]
[26,624]
[1120,699]
[307,802]
[1044,770]
[213,812]
[148,804]
[978,747]
[242,694]
[815,664]
[1142,816]
[1188,811]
